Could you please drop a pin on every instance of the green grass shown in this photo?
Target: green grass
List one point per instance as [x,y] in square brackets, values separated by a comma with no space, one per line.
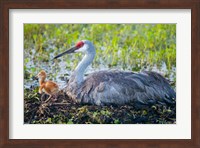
[123,46]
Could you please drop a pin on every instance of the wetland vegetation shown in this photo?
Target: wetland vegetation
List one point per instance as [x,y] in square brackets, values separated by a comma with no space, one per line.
[133,47]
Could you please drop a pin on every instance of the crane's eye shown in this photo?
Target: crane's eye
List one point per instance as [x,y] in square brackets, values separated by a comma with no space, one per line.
[79,44]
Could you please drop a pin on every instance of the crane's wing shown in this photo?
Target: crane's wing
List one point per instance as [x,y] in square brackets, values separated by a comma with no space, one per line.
[119,87]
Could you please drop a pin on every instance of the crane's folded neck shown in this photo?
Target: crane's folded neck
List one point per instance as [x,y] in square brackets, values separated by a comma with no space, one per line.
[78,74]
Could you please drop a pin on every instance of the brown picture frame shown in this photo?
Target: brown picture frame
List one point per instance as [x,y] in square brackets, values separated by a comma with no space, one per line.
[6,5]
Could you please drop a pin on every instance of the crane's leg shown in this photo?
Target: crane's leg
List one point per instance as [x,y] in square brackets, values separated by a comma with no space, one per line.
[42,97]
[48,98]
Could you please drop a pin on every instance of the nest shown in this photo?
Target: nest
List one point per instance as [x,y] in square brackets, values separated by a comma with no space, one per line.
[65,111]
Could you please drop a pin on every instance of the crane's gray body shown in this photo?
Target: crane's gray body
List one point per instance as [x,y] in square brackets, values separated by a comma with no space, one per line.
[119,87]
[116,87]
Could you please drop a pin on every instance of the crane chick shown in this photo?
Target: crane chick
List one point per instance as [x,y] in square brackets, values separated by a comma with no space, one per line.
[50,88]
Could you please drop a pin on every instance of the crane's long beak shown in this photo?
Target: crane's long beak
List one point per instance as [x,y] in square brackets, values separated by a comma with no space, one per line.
[70,50]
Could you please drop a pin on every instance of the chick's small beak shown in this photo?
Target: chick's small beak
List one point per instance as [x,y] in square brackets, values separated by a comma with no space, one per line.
[35,77]
[70,50]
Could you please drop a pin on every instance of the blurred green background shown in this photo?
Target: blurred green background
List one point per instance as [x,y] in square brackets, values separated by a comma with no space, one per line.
[132,47]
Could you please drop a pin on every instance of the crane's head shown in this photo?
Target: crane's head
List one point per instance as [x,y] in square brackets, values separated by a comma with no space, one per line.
[83,46]
[42,74]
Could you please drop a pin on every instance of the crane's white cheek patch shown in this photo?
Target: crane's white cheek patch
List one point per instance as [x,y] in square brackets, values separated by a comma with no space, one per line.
[78,50]
[82,49]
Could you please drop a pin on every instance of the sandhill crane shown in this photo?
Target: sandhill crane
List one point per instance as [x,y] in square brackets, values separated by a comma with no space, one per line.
[113,86]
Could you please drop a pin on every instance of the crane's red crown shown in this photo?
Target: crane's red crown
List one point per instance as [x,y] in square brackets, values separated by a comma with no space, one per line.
[79,44]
